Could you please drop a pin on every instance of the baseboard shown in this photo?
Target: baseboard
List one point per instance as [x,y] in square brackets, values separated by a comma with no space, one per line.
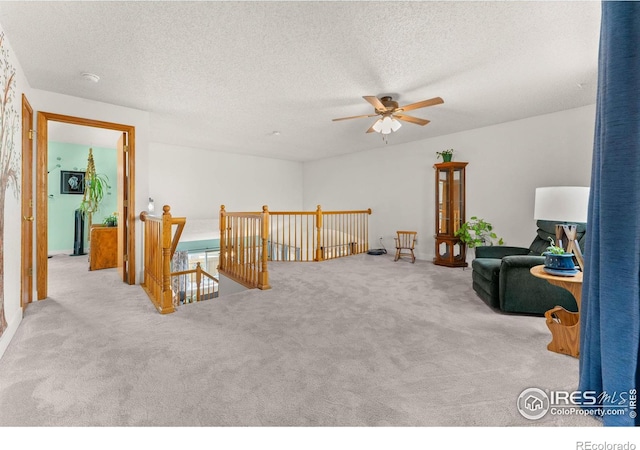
[61,252]
[8,334]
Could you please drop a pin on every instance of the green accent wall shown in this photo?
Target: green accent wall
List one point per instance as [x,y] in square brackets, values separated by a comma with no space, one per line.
[62,206]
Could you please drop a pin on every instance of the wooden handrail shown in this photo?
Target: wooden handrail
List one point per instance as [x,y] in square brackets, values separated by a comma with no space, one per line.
[159,247]
[286,236]
[313,213]
[199,274]
[248,240]
[243,247]
[180,221]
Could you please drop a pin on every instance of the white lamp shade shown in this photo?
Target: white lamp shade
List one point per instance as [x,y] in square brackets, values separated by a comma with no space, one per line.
[386,125]
[377,127]
[562,204]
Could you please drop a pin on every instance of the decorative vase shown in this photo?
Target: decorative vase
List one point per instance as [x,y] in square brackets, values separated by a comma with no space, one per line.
[559,262]
[447,157]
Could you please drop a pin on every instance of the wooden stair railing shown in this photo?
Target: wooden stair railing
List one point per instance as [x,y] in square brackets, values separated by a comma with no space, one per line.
[206,285]
[248,240]
[159,244]
[243,247]
[317,235]
[247,244]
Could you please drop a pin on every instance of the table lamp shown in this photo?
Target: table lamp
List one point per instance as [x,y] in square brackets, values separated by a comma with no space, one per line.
[567,204]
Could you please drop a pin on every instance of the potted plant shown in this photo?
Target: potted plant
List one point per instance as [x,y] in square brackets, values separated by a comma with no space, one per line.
[556,258]
[477,232]
[111,220]
[445,154]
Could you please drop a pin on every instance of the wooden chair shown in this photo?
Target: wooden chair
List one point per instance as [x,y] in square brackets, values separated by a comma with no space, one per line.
[405,243]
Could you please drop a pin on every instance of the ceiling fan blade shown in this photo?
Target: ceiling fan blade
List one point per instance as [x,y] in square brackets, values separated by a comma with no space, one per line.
[422,104]
[411,119]
[375,101]
[371,130]
[355,117]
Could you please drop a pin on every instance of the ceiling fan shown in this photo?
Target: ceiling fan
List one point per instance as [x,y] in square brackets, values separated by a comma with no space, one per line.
[390,113]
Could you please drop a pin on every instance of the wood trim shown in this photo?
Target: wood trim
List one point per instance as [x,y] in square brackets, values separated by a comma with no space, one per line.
[312,213]
[180,221]
[26,247]
[42,208]
[42,192]
[131,250]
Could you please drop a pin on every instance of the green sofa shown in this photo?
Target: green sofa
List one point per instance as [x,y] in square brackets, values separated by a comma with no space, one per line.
[502,279]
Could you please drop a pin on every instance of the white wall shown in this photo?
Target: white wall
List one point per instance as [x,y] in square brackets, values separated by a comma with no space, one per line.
[195,182]
[240,182]
[11,240]
[506,163]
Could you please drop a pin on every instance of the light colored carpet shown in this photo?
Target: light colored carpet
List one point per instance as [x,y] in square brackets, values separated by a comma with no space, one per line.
[358,341]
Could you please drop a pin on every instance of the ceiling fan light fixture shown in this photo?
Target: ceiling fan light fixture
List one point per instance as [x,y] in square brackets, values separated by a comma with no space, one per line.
[386,125]
[377,127]
[395,124]
[390,113]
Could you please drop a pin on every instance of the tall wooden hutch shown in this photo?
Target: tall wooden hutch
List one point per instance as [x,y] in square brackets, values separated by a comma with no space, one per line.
[450,214]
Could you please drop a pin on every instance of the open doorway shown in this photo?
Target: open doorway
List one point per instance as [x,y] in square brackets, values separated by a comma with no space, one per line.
[69,227]
[125,151]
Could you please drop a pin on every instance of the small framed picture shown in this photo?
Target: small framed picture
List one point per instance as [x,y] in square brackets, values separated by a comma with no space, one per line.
[71,182]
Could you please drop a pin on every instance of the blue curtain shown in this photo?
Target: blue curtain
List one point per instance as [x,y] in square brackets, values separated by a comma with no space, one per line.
[610,310]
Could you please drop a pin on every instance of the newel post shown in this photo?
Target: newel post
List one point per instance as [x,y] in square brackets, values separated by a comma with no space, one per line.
[223,246]
[318,234]
[166,302]
[198,280]
[145,246]
[263,276]
[366,240]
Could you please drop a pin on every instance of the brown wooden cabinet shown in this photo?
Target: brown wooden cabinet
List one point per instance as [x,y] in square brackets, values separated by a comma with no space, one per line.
[450,214]
[103,247]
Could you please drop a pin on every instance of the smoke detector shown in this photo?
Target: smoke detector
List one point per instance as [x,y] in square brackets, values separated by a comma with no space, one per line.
[92,77]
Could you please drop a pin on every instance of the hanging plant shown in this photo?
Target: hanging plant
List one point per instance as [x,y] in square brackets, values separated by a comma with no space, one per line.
[95,187]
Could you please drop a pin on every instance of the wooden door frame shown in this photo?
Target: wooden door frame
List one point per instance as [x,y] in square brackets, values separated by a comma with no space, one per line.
[42,205]
[26,244]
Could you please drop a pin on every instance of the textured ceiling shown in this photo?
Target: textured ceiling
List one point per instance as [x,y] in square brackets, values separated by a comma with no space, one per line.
[225,75]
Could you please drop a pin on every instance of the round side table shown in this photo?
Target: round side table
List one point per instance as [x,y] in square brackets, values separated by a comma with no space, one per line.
[564,325]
